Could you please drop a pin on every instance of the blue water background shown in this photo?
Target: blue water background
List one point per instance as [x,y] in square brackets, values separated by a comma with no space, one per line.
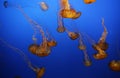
[65,60]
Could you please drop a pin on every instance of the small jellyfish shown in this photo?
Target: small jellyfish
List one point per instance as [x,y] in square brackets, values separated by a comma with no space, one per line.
[67,12]
[102,41]
[51,43]
[43,6]
[82,46]
[89,1]
[114,65]
[60,27]
[5,4]
[72,35]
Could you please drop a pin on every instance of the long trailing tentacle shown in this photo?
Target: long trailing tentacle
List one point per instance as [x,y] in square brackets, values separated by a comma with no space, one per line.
[20,52]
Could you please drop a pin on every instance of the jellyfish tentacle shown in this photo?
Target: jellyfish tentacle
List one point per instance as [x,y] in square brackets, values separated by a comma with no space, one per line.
[21,53]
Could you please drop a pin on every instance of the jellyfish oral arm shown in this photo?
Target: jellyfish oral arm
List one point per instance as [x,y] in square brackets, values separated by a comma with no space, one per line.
[65,4]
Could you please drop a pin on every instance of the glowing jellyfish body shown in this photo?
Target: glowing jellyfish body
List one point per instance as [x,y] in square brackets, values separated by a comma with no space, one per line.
[72,35]
[68,12]
[51,43]
[89,1]
[114,65]
[82,46]
[43,6]
[101,54]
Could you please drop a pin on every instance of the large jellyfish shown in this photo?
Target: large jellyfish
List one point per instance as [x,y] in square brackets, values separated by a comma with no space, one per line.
[43,49]
[82,46]
[39,71]
[89,1]
[67,12]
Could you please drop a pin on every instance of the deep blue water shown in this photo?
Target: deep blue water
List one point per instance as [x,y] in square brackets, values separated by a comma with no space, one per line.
[65,60]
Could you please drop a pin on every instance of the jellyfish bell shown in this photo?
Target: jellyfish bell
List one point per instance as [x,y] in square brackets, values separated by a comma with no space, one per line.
[103,46]
[40,72]
[43,51]
[73,35]
[78,14]
[51,43]
[115,65]
[87,63]
[61,29]
[68,13]
[33,47]
[99,56]
[89,1]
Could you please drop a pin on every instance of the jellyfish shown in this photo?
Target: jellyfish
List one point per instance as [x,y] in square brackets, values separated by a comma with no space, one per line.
[67,12]
[43,49]
[39,71]
[72,35]
[89,1]
[43,6]
[114,65]
[102,41]
[82,46]
[101,54]
[61,28]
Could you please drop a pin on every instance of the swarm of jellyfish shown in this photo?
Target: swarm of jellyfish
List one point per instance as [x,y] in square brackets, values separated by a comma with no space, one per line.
[43,48]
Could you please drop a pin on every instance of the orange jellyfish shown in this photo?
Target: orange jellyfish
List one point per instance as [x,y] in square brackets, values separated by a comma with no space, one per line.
[40,50]
[82,46]
[67,12]
[39,71]
[102,41]
[89,1]
[101,54]
[60,27]
[115,65]
[43,6]
[72,35]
